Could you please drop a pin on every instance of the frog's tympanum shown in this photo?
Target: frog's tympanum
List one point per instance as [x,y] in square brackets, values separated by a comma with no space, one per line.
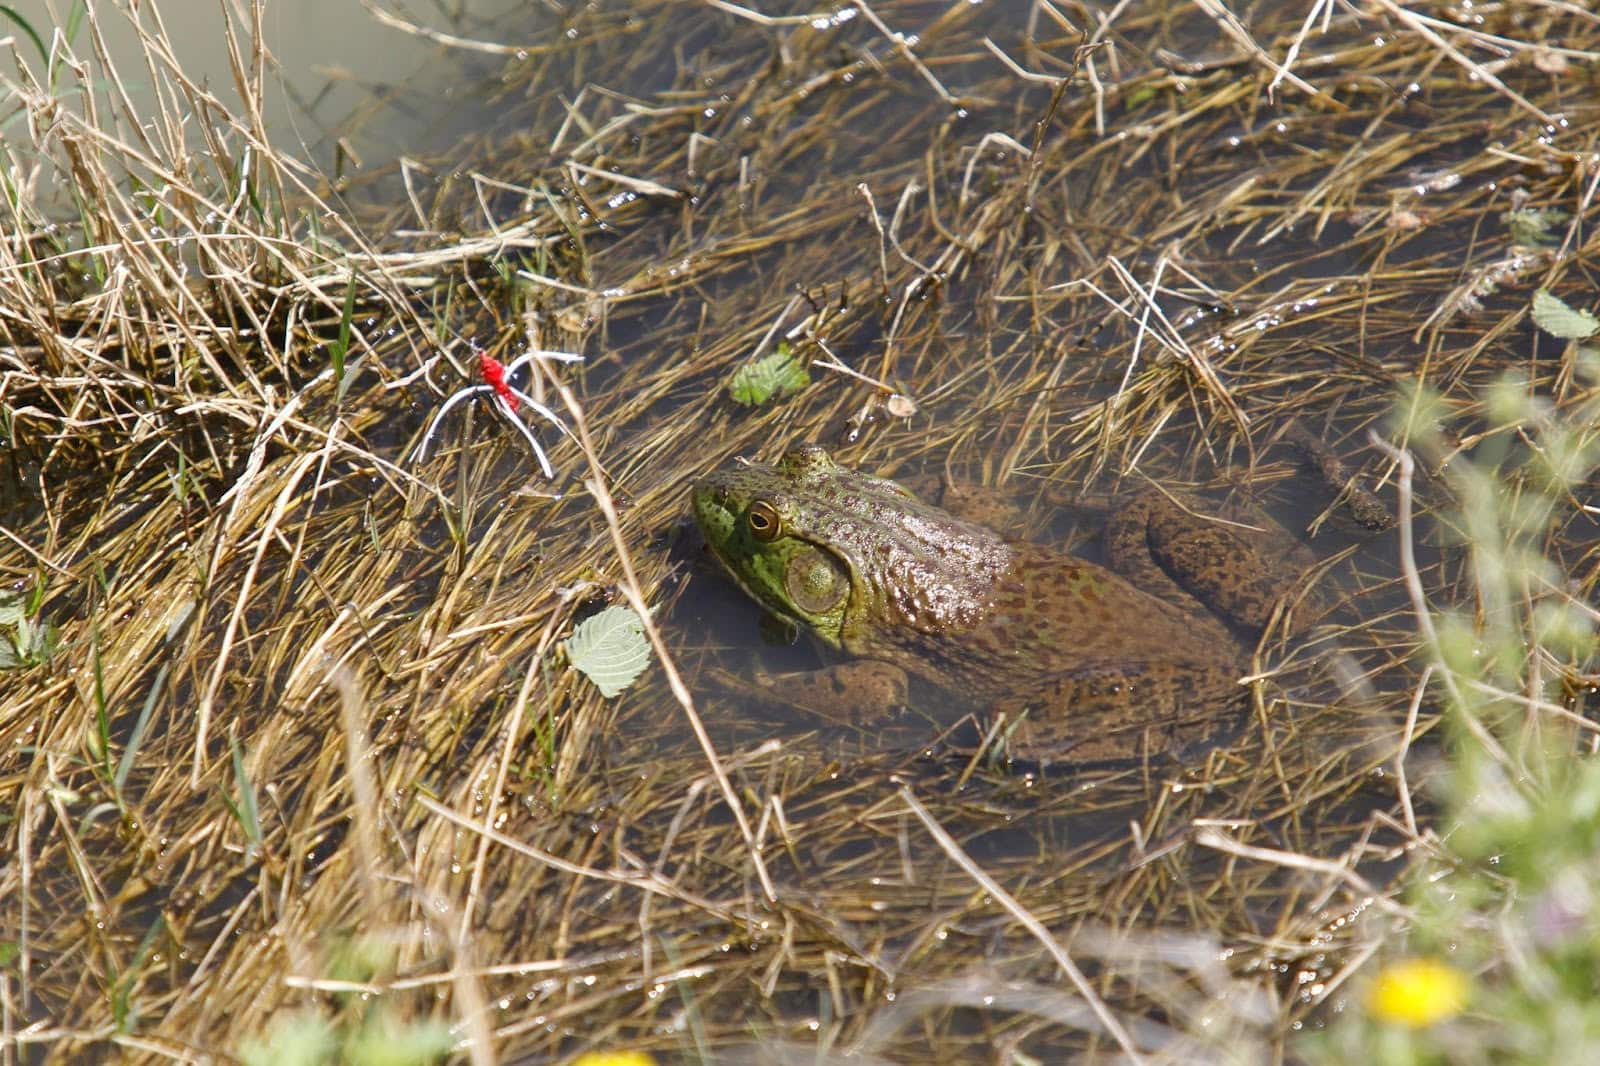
[1085,663]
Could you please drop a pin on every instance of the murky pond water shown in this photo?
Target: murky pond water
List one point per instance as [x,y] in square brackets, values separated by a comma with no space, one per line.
[338,86]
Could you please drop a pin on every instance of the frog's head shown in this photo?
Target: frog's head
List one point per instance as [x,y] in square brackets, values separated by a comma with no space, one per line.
[761,524]
[838,551]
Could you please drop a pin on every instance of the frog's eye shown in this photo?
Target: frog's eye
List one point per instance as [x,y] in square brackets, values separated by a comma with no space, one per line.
[763,521]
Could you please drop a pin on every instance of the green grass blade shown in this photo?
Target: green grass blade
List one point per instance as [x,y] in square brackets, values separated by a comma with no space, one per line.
[244,810]
[131,752]
[341,346]
[26,27]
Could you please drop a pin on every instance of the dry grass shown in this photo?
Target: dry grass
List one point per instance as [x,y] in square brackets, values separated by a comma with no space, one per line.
[305,699]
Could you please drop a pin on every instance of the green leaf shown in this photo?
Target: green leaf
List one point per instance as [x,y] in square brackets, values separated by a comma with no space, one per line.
[776,376]
[29,641]
[1551,314]
[360,959]
[1531,226]
[130,753]
[1138,96]
[399,1043]
[352,371]
[341,344]
[609,648]
[298,1039]
[33,35]
[245,811]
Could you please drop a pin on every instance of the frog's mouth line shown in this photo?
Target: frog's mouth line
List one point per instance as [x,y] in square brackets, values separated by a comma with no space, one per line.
[753,592]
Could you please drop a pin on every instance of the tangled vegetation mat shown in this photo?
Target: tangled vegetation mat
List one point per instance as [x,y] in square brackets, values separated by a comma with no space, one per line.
[291,741]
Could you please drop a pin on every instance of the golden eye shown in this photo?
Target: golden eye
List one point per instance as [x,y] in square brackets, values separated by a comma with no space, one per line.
[764,521]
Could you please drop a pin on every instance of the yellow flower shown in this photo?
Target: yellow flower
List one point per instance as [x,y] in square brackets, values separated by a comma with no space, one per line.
[1417,993]
[614,1058]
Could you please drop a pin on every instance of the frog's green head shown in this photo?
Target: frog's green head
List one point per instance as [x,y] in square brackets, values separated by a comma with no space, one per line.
[840,552]
[761,526]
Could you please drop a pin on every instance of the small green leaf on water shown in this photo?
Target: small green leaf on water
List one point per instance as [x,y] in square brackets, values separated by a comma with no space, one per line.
[1530,226]
[24,641]
[1138,96]
[610,649]
[298,1039]
[1551,314]
[392,1042]
[776,376]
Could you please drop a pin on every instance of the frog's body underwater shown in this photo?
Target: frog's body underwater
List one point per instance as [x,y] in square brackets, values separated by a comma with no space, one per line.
[1085,664]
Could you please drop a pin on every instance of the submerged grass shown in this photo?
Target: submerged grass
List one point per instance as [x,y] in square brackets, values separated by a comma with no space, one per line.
[302,704]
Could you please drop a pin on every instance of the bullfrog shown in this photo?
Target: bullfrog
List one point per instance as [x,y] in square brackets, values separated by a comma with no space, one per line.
[1086,662]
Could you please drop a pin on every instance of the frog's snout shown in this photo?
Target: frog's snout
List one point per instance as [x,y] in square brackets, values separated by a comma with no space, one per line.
[712,511]
[706,494]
